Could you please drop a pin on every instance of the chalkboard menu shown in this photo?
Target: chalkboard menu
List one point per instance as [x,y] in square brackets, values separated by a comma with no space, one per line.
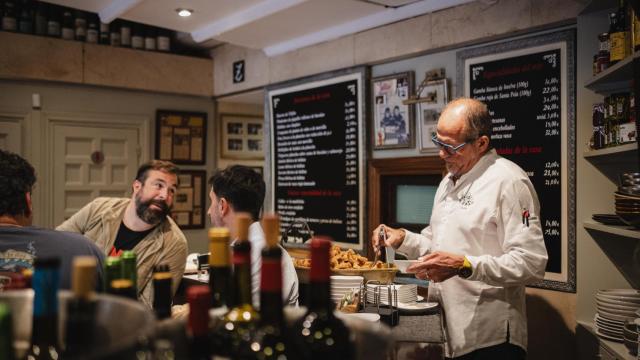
[526,93]
[317,156]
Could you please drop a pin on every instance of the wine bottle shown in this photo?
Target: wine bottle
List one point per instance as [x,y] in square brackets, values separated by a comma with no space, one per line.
[219,268]
[163,40]
[105,34]
[25,21]
[6,333]
[137,36]
[68,30]
[81,308]
[53,21]
[93,29]
[125,34]
[130,268]
[112,271]
[272,340]
[41,19]
[319,334]
[9,17]
[44,335]
[80,25]
[150,39]
[199,299]
[239,324]
[114,33]
[162,292]
[124,288]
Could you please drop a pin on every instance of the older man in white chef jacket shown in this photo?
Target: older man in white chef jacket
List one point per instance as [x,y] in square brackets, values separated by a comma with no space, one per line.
[484,241]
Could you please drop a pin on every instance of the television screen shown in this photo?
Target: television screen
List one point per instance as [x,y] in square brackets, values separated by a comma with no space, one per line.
[414,203]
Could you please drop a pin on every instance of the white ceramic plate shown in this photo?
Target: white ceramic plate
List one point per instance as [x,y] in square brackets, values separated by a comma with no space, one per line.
[620,292]
[609,328]
[610,316]
[343,278]
[616,311]
[617,324]
[364,316]
[611,301]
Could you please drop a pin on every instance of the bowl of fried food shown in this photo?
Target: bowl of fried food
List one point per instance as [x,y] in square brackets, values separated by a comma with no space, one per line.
[348,262]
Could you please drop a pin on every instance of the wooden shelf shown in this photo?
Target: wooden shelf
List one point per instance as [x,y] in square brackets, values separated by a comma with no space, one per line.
[616,348]
[626,231]
[612,150]
[616,78]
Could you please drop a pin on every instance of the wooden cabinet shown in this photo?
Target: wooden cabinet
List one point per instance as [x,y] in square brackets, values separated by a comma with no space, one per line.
[28,57]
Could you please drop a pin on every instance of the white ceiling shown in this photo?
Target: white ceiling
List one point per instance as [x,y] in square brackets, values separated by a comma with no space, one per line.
[275,26]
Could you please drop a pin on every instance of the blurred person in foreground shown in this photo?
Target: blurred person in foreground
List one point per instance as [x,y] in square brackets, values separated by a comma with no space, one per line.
[484,241]
[241,189]
[140,223]
[21,242]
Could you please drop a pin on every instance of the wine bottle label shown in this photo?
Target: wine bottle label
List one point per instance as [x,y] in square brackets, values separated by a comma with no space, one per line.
[81,32]
[9,23]
[240,258]
[68,33]
[149,43]
[271,276]
[53,28]
[92,36]
[619,44]
[164,43]
[137,42]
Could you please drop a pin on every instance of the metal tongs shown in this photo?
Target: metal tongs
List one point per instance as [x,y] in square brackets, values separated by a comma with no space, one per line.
[389,251]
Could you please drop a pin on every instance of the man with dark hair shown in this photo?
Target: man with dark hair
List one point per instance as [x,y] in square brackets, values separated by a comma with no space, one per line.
[484,241]
[241,189]
[20,242]
[140,223]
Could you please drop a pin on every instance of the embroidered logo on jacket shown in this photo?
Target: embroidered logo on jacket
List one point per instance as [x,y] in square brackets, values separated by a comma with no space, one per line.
[466,200]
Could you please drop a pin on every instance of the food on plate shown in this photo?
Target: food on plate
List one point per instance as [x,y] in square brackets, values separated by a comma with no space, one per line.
[345,259]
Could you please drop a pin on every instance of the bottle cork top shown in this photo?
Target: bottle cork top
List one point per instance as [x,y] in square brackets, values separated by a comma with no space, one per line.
[243,221]
[271,227]
[84,276]
[218,233]
[121,284]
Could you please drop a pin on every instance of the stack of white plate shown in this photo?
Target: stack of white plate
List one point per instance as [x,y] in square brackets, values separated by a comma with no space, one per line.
[615,306]
[341,285]
[406,293]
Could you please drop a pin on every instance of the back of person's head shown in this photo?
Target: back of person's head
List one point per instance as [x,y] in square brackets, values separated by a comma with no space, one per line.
[17,177]
[242,187]
[159,165]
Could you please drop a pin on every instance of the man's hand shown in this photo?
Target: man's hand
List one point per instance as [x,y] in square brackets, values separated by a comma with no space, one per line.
[394,237]
[437,266]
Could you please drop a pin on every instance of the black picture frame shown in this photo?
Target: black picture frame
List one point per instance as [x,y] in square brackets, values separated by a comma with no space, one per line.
[190,204]
[181,137]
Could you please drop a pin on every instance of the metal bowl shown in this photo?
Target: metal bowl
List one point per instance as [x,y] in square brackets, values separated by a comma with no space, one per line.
[121,325]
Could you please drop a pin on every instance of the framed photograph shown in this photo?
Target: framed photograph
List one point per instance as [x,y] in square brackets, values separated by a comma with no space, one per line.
[189,205]
[241,137]
[433,98]
[181,136]
[393,122]
[529,88]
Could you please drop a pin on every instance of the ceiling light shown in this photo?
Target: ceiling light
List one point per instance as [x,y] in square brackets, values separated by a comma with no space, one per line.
[184,12]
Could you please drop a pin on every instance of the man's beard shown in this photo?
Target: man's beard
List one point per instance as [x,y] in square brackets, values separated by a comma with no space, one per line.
[149,215]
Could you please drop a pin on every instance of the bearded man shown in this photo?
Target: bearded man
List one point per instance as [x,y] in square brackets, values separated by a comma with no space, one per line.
[140,223]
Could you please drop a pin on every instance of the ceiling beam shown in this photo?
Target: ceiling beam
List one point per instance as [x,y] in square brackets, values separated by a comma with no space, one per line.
[364,23]
[241,18]
[115,9]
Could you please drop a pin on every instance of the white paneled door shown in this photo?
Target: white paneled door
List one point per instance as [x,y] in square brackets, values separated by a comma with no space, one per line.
[91,161]
[10,134]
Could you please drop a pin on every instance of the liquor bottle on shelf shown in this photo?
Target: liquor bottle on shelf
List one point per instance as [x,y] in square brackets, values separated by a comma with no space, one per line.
[137,36]
[25,21]
[319,334]
[6,333]
[80,25]
[598,126]
[220,268]
[112,271]
[272,339]
[41,18]
[162,292]
[618,37]
[93,29]
[81,308]
[10,16]
[163,41]
[125,33]
[105,34]
[114,33]
[68,27]
[236,328]
[44,336]
[130,268]
[150,39]
[53,20]
[199,299]
[603,52]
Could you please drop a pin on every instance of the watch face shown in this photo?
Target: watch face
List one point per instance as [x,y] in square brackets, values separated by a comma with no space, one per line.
[464,272]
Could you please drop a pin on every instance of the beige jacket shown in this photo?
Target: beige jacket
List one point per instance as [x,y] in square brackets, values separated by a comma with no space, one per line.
[165,244]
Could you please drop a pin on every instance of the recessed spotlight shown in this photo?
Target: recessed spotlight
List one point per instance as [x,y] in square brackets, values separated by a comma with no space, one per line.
[184,12]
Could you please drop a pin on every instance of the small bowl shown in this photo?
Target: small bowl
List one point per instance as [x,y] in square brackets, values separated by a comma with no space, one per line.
[404,264]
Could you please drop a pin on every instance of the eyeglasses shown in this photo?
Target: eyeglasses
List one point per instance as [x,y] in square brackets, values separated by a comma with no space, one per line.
[449,149]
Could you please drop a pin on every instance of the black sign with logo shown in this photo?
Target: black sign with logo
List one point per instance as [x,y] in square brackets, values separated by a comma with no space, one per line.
[238,71]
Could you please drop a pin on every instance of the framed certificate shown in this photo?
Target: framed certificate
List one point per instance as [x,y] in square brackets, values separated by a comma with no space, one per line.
[181,136]
[189,201]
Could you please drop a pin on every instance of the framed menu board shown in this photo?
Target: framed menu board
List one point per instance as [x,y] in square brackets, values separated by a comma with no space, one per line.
[529,88]
[189,205]
[317,155]
[181,136]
